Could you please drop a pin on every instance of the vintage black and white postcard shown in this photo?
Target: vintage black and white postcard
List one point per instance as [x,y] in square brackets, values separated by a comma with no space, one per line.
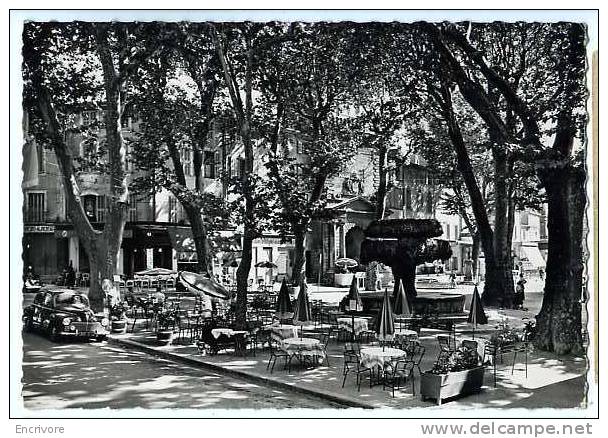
[303,214]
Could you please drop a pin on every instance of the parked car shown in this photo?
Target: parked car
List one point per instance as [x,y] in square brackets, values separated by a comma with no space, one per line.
[64,313]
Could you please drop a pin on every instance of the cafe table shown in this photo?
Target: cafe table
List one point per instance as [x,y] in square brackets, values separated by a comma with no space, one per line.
[303,348]
[405,334]
[240,345]
[346,323]
[279,332]
[377,357]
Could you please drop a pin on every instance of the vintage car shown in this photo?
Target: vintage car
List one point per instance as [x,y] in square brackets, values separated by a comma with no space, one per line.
[64,313]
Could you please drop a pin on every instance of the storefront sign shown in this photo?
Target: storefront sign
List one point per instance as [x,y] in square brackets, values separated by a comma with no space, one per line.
[272,241]
[39,229]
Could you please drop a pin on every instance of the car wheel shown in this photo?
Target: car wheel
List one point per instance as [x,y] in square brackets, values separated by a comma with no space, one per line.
[53,333]
[101,338]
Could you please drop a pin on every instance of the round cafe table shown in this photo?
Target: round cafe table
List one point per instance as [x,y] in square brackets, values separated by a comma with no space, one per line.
[376,357]
[279,332]
[346,323]
[304,347]
[239,336]
[403,334]
[216,332]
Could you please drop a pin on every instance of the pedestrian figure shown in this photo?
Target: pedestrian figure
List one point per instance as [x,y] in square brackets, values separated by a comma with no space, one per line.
[520,292]
[70,276]
[452,280]
[159,296]
[541,273]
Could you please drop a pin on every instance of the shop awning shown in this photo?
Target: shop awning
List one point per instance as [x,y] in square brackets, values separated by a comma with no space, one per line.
[534,256]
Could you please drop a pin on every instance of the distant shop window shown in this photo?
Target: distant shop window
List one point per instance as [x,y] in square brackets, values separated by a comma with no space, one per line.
[299,147]
[209,163]
[242,167]
[132,208]
[41,159]
[36,207]
[90,207]
[186,157]
[429,203]
[101,208]
[126,117]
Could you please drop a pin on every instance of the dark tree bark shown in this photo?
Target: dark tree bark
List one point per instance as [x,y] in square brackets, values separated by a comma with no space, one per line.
[101,247]
[558,323]
[498,285]
[193,211]
[297,271]
[382,183]
[243,112]
[499,278]
[475,253]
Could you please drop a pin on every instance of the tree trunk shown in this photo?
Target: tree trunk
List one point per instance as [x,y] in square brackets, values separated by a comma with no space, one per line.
[498,287]
[382,184]
[299,257]
[242,281]
[475,253]
[199,234]
[494,273]
[558,323]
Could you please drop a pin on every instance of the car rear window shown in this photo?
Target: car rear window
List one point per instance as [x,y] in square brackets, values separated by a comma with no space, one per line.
[68,298]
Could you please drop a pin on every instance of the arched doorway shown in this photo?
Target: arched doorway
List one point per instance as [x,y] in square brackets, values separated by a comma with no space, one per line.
[353,239]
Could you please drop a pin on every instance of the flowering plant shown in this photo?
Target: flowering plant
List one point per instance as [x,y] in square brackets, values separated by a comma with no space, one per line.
[505,335]
[118,311]
[461,359]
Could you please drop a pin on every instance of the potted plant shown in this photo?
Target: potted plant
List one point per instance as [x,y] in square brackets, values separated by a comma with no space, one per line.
[118,317]
[458,373]
[505,335]
[342,276]
[166,321]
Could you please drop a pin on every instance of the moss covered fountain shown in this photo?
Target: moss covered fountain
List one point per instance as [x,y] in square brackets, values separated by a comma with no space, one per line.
[403,244]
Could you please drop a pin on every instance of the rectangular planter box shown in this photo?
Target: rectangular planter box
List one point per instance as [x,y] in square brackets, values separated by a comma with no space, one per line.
[441,386]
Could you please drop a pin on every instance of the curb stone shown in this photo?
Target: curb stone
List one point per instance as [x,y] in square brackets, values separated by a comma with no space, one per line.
[348,402]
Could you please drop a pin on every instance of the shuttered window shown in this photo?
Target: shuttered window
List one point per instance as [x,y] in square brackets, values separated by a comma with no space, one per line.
[35,207]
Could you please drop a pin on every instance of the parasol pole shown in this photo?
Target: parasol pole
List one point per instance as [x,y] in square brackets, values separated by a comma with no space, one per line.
[383,325]
[319,273]
[475,309]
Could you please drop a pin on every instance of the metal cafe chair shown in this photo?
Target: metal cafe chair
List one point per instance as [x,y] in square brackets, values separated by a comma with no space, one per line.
[144,283]
[352,365]
[415,355]
[85,279]
[397,372]
[277,353]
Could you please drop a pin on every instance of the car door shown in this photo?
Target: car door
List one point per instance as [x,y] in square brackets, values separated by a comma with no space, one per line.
[46,310]
[36,309]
